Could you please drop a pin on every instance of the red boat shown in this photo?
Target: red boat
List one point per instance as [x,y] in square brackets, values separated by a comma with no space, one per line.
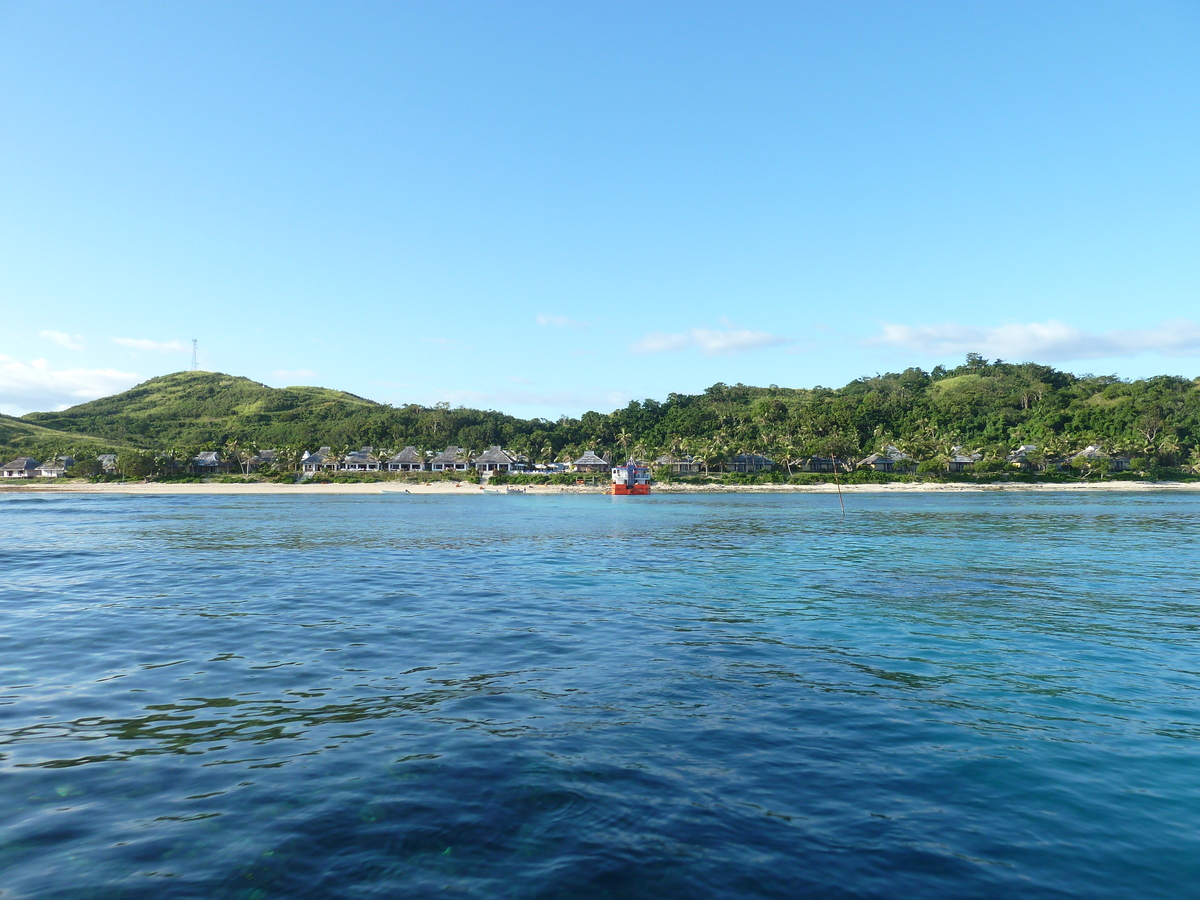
[631,479]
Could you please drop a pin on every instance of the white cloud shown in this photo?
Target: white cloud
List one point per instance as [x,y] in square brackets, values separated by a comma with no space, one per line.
[293,374]
[709,341]
[559,321]
[1050,341]
[25,387]
[70,341]
[160,346]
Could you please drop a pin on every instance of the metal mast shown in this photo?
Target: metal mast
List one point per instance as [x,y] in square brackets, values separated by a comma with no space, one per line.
[194,365]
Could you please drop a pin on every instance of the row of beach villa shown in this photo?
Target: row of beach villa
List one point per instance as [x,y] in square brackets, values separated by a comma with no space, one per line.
[28,467]
[496,460]
[453,459]
[1025,458]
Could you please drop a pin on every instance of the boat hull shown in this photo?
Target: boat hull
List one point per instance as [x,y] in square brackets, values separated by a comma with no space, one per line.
[624,490]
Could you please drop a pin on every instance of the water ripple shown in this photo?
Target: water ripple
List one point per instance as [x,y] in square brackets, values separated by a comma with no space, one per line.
[944,696]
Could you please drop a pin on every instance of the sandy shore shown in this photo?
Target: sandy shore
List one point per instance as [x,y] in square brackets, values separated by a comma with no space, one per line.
[464,489]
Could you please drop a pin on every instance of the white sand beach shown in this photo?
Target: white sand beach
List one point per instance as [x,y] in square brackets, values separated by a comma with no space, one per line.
[466,489]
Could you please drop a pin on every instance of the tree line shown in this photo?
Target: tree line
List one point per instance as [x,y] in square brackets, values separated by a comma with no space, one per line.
[981,406]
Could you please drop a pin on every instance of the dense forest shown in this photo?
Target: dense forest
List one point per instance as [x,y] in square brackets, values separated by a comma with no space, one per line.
[988,407]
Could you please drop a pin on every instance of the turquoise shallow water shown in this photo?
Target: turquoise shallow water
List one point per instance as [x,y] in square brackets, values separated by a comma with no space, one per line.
[584,696]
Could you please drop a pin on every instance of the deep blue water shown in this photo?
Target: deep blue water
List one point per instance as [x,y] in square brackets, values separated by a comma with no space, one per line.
[582,696]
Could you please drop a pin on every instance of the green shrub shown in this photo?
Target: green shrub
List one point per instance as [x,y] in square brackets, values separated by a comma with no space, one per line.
[867,476]
[993,467]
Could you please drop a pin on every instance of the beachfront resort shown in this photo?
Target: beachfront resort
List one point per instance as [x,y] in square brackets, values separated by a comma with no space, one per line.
[497,461]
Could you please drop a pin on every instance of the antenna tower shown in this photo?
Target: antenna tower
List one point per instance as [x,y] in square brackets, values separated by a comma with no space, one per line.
[194,366]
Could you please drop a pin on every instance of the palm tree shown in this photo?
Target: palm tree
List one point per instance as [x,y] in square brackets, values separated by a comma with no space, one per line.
[288,457]
[1193,461]
[1168,449]
[234,450]
[623,441]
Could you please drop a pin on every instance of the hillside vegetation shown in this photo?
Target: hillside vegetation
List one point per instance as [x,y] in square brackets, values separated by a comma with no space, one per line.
[211,408]
[19,436]
[986,407]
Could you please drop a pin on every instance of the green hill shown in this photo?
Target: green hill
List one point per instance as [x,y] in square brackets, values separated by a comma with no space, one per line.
[195,408]
[982,406]
[20,437]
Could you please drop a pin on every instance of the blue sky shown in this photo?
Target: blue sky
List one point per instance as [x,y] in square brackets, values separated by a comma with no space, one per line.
[546,208]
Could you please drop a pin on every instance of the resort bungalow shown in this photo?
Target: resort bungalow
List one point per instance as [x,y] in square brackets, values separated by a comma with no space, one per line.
[407,460]
[678,465]
[591,464]
[748,462]
[21,467]
[960,461]
[818,464]
[493,459]
[324,460]
[209,462]
[264,458]
[108,464]
[1020,457]
[55,468]
[892,459]
[1094,451]
[876,461]
[363,460]
[451,459]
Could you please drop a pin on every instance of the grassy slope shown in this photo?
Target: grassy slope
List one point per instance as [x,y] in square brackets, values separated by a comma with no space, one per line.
[202,407]
[18,436]
[991,407]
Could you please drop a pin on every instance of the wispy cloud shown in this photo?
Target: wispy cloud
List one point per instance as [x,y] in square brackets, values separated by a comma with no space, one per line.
[70,341]
[159,346]
[1049,341]
[556,321]
[25,387]
[293,374]
[709,341]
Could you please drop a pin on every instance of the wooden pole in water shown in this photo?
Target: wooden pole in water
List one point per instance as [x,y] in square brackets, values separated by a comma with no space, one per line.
[839,487]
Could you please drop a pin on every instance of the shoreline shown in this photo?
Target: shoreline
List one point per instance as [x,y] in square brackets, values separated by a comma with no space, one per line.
[466,489]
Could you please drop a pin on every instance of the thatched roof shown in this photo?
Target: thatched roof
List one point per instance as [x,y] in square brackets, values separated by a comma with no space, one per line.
[363,456]
[57,464]
[590,459]
[408,455]
[449,457]
[494,454]
[21,464]
[959,455]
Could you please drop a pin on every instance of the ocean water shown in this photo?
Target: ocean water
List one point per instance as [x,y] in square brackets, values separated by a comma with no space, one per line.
[987,695]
